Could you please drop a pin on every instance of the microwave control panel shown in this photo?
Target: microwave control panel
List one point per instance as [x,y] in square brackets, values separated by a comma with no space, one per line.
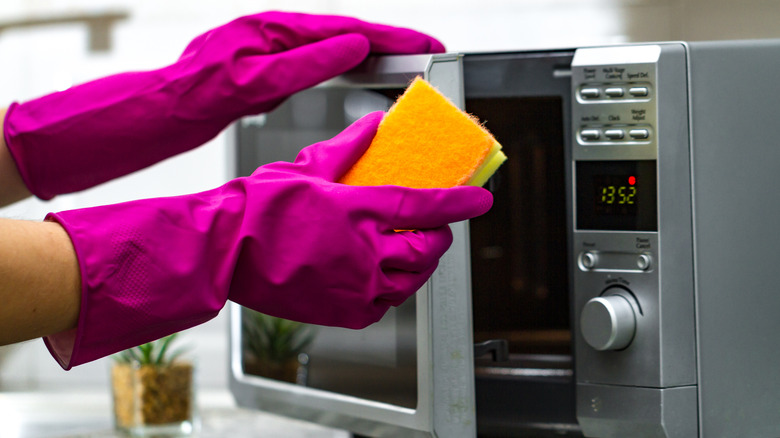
[615,209]
[631,237]
[615,103]
[627,191]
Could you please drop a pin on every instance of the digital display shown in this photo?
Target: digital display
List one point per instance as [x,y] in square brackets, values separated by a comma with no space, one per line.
[617,195]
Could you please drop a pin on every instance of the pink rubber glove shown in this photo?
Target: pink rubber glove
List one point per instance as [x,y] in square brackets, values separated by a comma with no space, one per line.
[287,241]
[92,133]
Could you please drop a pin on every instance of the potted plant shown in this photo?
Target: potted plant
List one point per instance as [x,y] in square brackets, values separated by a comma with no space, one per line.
[275,347]
[153,390]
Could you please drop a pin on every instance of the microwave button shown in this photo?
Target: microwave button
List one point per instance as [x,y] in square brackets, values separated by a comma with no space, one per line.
[614,92]
[590,93]
[639,134]
[644,262]
[638,91]
[588,260]
[590,134]
[614,134]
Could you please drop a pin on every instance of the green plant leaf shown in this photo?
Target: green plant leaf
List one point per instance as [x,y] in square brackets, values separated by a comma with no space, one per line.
[151,353]
[133,354]
[164,343]
[274,339]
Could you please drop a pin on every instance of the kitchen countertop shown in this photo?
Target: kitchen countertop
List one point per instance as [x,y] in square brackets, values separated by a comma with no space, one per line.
[88,415]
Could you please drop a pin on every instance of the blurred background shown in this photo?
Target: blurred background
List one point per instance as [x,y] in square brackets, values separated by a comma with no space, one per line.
[48,45]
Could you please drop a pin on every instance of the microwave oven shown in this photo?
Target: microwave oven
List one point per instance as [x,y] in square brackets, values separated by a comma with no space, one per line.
[623,285]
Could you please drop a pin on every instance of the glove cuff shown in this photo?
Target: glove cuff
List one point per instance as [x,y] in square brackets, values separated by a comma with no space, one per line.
[18,154]
[139,280]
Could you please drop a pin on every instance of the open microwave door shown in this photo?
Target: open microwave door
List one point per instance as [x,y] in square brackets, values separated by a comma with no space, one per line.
[412,373]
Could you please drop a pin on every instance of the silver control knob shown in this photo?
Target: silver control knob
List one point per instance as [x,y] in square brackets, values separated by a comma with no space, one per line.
[608,322]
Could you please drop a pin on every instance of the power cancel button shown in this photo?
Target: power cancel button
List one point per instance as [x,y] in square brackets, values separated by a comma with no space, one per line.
[644,262]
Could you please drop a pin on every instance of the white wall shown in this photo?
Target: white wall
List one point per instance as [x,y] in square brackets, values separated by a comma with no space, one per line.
[38,61]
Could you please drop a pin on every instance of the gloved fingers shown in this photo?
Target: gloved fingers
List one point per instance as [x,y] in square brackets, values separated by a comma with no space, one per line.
[414,251]
[277,76]
[276,32]
[408,259]
[330,159]
[403,208]
[288,30]
[402,285]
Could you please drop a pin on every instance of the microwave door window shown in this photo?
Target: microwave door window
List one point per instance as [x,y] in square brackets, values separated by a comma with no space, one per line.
[519,267]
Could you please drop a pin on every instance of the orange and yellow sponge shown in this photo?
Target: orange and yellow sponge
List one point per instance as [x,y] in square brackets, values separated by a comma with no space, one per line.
[425,141]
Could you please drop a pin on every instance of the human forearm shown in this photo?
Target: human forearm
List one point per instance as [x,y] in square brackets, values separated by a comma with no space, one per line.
[12,188]
[40,286]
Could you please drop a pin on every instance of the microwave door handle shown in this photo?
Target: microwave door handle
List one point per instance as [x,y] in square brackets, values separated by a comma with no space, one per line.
[498,348]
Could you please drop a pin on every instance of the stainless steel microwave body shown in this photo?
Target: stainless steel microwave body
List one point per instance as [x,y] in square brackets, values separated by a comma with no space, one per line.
[627,268]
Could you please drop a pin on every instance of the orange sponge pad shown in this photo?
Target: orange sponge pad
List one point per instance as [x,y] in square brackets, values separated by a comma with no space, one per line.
[425,141]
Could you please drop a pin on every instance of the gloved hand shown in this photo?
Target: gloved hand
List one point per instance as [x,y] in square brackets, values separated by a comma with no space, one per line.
[287,241]
[92,133]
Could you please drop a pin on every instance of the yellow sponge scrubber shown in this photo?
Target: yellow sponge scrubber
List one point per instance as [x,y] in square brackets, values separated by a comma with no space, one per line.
[425,141]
